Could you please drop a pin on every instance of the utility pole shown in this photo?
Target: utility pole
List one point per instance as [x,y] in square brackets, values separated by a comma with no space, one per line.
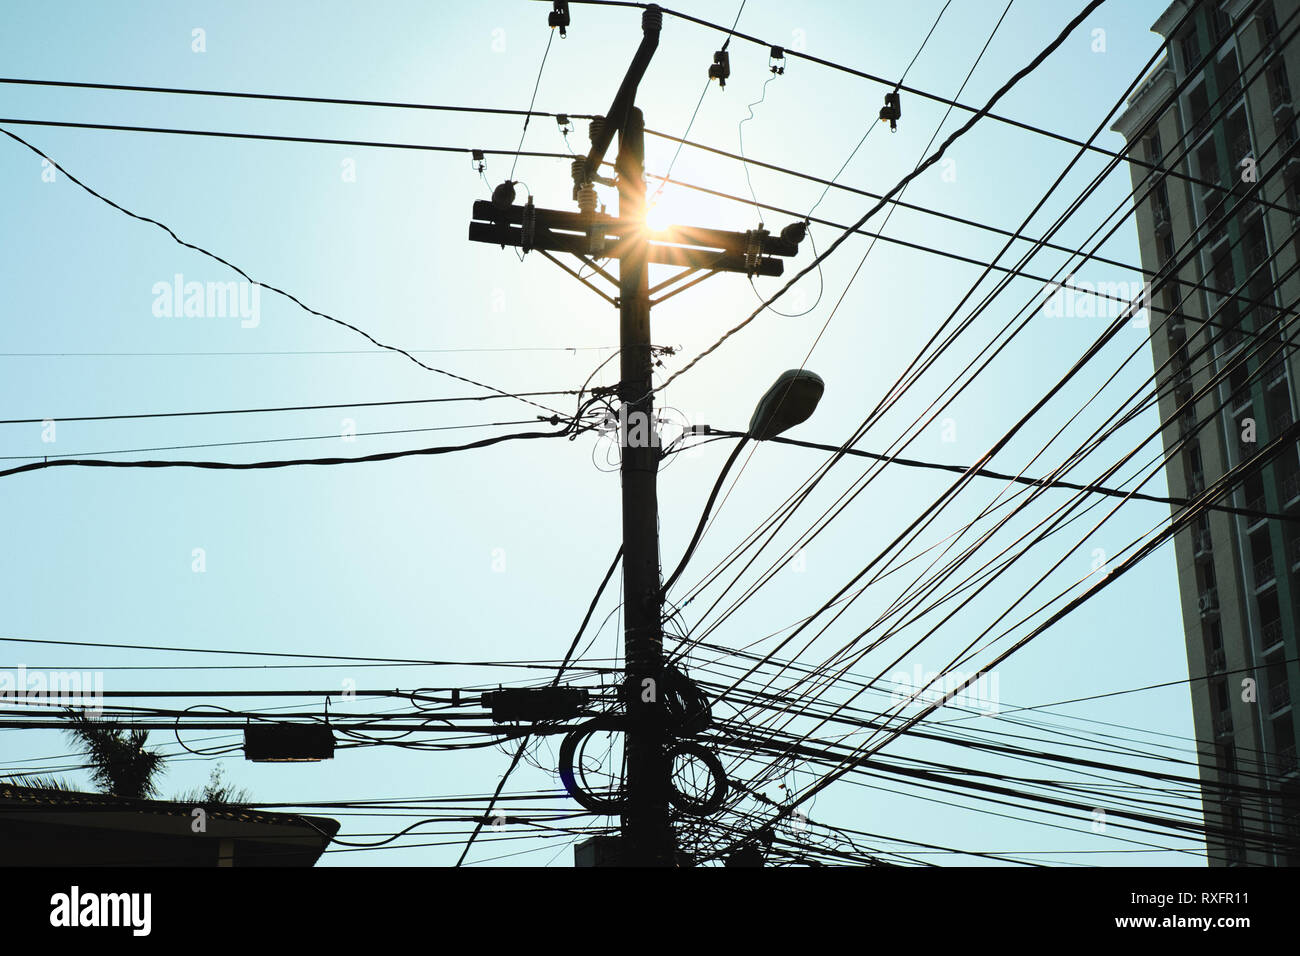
[647,837]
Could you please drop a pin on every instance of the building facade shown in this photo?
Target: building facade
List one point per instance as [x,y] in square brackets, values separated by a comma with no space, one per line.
[1212,136]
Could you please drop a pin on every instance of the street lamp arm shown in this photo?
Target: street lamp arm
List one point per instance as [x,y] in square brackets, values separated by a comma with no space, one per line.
[704,518]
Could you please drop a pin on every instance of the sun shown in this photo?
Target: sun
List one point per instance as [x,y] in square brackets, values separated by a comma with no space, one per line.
[656,217]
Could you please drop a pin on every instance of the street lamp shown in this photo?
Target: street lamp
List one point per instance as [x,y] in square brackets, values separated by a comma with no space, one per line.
[790,401]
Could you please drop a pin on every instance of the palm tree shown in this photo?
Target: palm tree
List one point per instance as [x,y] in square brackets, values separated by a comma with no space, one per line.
[39,782]
[119,763]
[216,791]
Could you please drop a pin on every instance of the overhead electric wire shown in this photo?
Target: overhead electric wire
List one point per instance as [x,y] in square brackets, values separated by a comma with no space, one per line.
[550,37]
[486,110]
[861,428]
[287,463]
[665,179]
[268,137]
[1139,746]
[523,745]
[936,98]
[516,112]
[530,665]
[278,408]
[1013,271]
[1091,488]
[803,364]
[278,97]
[888,215]
[1188,807]
[894,240]
[266,441]
[901,184]
[589,611]
[1157,823]
[855,758]
[292,298]
[262,352]
[1007,743]
[1223,372]
[872,125]
[695,112]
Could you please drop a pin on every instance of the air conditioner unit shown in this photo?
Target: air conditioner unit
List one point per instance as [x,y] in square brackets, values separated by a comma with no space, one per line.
[1162,220]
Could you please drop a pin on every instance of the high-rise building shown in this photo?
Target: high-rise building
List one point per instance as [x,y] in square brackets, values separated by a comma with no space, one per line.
[1212,141]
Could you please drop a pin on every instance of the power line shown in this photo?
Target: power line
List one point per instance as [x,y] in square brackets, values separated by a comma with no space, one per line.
[278,97]
[901,81]
[279,408]
[800,496]
[664,179]
[1200,506]
[260,352]
[842,768]
[923,94]
[523,744]
[529,114]
[988,299]
[930,161]
[1201,503]
[265,441]
[266,137]
[530,665]
[952,104]
[262,465]
[695,112]
[872,244]
[292,298]
[1092,488]
[893,208]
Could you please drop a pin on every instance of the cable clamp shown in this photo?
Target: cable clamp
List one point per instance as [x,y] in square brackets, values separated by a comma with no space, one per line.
[892,111]
[559,17]
[721,68]
[754,239]
[528,230]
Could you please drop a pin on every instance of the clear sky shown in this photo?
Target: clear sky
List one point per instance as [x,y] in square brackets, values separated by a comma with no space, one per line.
[494,554]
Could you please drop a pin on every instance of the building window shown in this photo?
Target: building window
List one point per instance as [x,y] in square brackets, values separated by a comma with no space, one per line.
[1229,76]
[1166,250]
[1292,191]
[1198,103]
[1267,23]
[1228,759]
[1279,92]
[1190,48]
